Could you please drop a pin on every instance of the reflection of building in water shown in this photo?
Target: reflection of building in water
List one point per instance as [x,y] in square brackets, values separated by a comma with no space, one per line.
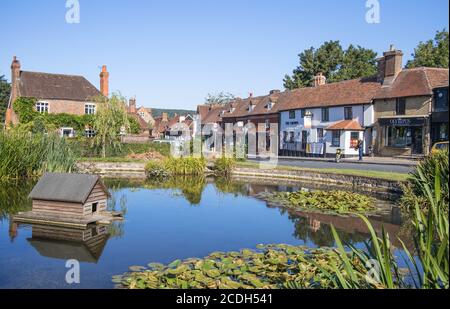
[68,243]
[314,224]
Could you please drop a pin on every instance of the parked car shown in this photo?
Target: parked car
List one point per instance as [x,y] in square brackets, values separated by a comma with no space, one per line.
[440,146]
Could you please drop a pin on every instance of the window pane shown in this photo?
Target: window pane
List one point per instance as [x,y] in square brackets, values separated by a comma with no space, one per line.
[401,106]
[348,113]
[325,114]
[441,100]
[336,139]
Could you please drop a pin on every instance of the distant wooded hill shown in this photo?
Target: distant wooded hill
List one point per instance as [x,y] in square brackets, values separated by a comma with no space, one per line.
[171,112]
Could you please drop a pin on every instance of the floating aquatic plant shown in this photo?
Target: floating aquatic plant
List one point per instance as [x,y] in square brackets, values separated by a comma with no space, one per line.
[334,201]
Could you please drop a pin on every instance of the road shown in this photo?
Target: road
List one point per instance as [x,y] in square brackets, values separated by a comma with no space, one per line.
[345,165]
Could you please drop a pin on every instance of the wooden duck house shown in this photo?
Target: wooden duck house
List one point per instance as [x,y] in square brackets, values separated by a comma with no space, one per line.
[69,194]
[73,200]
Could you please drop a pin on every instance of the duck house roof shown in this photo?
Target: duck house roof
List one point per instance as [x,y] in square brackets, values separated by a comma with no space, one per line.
[71,188]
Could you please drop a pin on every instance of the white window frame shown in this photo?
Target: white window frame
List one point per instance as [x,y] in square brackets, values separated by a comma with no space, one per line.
[72,134]
[90,107]
[89,133]
[42,107]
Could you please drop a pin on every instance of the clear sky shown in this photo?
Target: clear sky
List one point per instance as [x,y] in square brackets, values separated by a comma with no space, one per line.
[172,53]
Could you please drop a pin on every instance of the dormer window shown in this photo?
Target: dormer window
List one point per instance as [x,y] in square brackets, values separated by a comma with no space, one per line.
[251,107]
[270,105]
[232,109]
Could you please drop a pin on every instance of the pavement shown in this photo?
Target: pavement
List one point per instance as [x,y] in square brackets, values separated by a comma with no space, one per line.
[401,166]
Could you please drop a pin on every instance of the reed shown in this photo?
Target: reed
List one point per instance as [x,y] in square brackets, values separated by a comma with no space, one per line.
[185,166]
[25,155]
[428,263]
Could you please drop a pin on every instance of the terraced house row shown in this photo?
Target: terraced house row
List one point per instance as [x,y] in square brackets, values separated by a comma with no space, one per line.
[399,112]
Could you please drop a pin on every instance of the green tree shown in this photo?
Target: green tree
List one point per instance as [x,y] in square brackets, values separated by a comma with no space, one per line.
[220,98]
[357,62]
[334,62]
[110,120]
[5,90]
[432,53]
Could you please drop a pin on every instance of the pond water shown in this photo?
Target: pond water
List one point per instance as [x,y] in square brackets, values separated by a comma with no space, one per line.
[181,219]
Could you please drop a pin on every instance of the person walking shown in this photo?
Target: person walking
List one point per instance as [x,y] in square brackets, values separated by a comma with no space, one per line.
[360,148]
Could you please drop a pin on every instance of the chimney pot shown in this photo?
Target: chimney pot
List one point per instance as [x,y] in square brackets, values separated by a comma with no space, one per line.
[319,80]
[104,81]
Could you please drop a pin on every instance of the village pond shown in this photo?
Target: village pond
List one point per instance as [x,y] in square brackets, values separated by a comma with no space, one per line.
[179,219]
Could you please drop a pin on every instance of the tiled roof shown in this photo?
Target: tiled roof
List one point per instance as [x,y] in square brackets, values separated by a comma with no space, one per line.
[355,91]
[215,114]
[56,86]
[346,125]
[140,120]
[414,82]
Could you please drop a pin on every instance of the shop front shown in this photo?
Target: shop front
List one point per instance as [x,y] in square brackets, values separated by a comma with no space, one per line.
[404,136]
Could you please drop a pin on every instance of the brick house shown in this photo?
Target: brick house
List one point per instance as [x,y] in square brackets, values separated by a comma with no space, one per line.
[140,117]
[411,108]
[55,93]
[261,112]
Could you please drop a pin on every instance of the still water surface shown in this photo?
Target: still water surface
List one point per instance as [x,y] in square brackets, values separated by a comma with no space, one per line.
[181,219]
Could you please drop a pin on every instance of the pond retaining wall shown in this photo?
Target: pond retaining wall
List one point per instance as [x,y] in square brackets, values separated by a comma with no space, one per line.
[361,182]
[137,170]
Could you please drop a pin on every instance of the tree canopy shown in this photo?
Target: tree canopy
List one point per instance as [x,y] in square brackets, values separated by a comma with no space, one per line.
[5,89]
[432,53]
[111,120]
[334,62]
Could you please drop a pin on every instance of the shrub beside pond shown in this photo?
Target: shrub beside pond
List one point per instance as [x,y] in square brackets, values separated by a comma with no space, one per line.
[335,201]
[224,166]
[269,267]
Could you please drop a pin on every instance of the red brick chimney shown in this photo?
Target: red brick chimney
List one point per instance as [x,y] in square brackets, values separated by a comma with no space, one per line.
[390,65]
[15,75]
[319,80]
[104,81]
[10,116]
[132,106]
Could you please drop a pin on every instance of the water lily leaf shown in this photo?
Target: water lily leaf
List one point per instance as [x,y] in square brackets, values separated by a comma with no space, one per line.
[213,273]
[174,264]
[137,268]
[178,270]
[156,266]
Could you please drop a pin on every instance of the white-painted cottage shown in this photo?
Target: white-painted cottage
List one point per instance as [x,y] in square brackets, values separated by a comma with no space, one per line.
[319,120]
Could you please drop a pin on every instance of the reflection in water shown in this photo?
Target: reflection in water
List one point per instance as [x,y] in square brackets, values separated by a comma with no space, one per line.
[14,198]
[160,226]
[68,243]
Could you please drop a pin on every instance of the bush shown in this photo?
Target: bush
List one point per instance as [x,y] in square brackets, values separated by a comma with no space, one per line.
[185,166]
[155,170]
[224,166]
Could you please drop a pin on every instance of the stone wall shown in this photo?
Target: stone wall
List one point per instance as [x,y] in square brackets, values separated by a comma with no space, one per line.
[369,183]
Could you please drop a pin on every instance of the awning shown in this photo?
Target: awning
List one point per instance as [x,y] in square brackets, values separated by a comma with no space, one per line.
[346,125]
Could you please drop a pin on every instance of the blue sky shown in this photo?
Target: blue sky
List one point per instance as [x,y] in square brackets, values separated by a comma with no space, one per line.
[172,53]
